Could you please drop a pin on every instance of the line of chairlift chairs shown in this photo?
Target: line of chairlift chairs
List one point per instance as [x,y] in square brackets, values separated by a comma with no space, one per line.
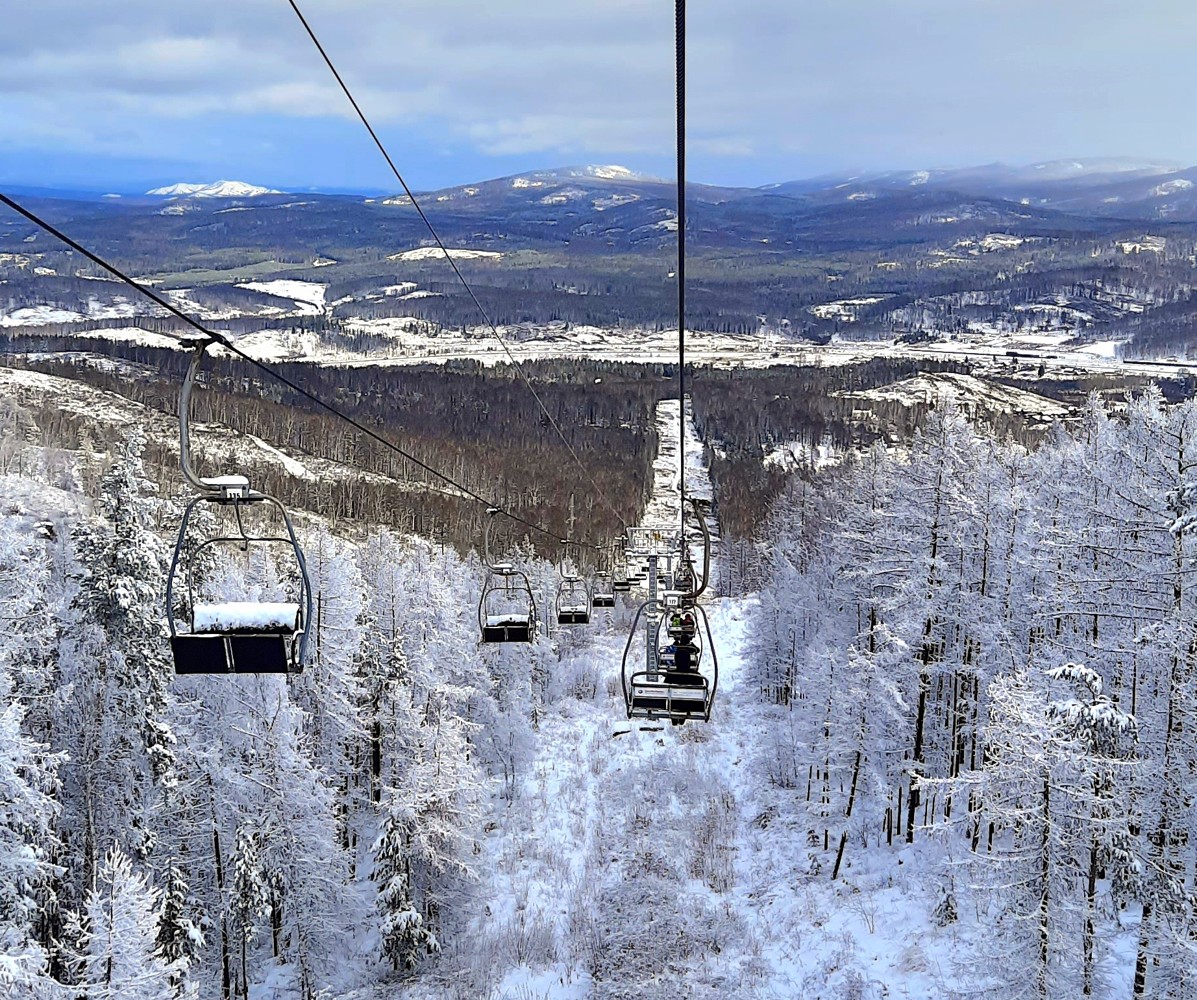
[669,670]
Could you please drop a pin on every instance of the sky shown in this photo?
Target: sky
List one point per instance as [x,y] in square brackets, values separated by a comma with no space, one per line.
[129,95]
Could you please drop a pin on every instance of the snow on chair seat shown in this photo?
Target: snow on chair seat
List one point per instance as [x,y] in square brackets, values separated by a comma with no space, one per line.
[239,637]
[246,617]
[508,619]
[573,614]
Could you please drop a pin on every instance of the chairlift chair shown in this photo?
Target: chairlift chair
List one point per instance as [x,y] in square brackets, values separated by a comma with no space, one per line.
[681,682]
[680,670]
[573,602]
[239,636]
[604,591]
[507,608]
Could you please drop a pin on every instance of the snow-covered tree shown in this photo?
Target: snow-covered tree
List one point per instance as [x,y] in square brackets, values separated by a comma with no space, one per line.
[27,841]
[405,938]
[180,937]
[121,956]
[117,733]
[1106,738]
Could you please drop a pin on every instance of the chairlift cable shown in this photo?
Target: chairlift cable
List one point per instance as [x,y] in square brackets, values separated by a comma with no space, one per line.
[230,346]
[449,257]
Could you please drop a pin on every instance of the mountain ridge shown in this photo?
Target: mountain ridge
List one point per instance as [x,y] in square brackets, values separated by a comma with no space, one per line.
[214,189]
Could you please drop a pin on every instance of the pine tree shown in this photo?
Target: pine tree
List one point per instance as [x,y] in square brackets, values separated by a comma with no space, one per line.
[26,842]
[28,769]
[118,672]
[123,564]
[1107,737]
[252,897]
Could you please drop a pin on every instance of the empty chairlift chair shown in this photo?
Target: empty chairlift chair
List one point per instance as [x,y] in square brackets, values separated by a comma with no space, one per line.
[604,591]
[239,636]
[506,609]
[573,602]
[620,581]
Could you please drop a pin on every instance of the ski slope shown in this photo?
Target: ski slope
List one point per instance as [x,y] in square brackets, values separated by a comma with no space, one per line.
[646,860]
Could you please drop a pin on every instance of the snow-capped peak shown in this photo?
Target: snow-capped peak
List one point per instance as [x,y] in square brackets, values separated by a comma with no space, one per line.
[611,172]
[219,189]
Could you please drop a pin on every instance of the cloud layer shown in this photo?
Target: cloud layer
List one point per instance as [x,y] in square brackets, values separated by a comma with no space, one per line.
[778,88]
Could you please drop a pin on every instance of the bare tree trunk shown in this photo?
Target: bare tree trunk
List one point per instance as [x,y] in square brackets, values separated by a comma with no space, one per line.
[1044,888]
[914,795]
[1140,987]
[226,989]
[1090,903]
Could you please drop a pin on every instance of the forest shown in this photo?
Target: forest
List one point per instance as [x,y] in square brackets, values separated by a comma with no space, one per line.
[929,265]
[992,648]
[964,681]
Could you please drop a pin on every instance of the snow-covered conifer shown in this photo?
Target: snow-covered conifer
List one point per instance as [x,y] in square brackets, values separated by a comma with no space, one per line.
[404,937]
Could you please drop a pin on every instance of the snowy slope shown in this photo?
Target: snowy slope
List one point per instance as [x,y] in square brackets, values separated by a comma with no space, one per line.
[972,392]
[216,189]
[214,443]
[646,860]
[308,296]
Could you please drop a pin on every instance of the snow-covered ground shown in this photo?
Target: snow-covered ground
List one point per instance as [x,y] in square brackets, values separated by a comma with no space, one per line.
[44,315]
[795,455]
[972,393]
[845,310]
[663,509]
[434,253]
[636,859]
[307,295]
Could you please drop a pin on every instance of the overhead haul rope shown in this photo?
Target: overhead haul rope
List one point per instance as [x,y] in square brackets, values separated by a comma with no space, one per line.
[230,346]
[680,73]
[449,257]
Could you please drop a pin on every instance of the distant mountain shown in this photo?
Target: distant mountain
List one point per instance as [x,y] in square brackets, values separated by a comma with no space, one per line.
[1112,188]
[218,189]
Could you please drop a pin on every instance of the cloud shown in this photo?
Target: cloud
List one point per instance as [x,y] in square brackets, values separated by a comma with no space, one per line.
[790,85]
